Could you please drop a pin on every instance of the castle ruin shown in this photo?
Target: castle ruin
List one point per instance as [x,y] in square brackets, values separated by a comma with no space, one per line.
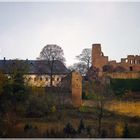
[128,67]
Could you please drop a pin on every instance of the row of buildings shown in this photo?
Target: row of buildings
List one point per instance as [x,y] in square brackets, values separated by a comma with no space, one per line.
[38,73]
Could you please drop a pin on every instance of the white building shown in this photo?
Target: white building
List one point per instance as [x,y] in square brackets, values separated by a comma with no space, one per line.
[38,73]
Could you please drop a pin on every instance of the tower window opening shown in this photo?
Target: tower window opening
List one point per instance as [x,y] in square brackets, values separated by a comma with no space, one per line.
[131,68]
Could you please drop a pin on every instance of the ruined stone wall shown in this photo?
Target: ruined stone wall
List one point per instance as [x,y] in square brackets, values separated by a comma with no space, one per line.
[99,60]
[76,86]
[123,75]
[129,64]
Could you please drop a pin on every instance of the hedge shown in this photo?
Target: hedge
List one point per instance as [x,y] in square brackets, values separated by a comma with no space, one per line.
[121,85]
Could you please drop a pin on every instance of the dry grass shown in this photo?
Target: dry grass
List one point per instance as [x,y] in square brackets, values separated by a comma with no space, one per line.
[125,108]
[112,124]
[128,108]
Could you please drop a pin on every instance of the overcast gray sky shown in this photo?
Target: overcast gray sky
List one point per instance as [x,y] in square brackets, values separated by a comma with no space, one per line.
[25,28]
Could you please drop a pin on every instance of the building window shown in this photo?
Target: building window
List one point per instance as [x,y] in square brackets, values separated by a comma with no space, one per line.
[131,61]
[57,79]
[40,78]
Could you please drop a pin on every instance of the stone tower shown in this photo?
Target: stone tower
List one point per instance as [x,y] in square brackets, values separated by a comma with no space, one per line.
[72,83]
[76,89]
[98,58]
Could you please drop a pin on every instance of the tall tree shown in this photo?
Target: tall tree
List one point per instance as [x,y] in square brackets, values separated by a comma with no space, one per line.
[14,91]
[85,57]
[51,53]
[3,81]
[17,71]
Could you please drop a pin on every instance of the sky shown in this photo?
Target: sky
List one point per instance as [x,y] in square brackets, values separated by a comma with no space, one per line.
[26,27]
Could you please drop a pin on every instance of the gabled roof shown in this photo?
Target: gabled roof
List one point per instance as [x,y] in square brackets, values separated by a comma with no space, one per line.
[36,66]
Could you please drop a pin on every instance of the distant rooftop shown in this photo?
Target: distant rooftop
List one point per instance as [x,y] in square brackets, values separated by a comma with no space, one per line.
[35,66]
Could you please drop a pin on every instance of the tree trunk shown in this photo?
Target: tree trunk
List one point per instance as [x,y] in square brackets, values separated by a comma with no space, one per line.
[51,74]
[51,80]
[88,65]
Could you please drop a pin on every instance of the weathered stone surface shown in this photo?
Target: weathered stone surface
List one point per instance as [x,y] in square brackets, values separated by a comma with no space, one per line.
[128,67]
[76,86]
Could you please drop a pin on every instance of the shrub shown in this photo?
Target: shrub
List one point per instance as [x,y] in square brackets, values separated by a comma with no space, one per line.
[88,128]
[126,133]
[84,96]
[90,96]
[84,109]
[122,85]
[27,127]
[68,129]
[53,109]
[81,126]
[37,107]
[103,133]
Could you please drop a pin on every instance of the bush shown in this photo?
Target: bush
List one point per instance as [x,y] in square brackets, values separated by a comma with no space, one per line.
[91,96]
[104,134]
[37,107]
[126,133]
[84,96]
[68,129]
[122,85]
[53,109]
[85,109]
[3,129]
[81,126]
[27,127]
[88,130]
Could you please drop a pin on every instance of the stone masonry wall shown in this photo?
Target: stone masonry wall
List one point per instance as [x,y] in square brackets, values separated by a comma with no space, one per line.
[130,64]
[76,86]
[124,75]
[98,58]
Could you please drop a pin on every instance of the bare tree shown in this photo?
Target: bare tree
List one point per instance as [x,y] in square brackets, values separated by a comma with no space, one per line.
[81,67]
[102,94]
[85,57]
[51,53]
